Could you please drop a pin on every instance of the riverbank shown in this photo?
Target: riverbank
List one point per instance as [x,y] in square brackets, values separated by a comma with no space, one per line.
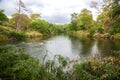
[83,34]
[19,65]
[8,35]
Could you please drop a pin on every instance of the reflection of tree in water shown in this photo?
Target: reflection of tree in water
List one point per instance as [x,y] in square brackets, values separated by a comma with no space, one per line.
[106,46]
[75,45]
[87,45]
[82,46]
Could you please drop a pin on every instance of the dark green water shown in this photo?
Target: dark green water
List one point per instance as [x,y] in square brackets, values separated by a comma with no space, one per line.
[69,47]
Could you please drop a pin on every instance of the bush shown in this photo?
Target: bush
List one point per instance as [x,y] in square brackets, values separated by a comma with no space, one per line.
[33,34]
[96,69]
[82,27]
[40,25]
[81,34]
[117,36]
[4,31]
[17,35]
[92,30]
[115,28]
[99,30]
[17,66]
[3,38]
[11,34]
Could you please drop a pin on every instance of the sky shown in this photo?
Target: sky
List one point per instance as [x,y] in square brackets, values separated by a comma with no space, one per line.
[54,11]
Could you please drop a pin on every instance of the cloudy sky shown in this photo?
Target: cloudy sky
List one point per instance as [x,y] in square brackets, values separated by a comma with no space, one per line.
[55,11]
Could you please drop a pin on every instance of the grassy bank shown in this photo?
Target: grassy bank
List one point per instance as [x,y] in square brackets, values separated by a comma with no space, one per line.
[33,34]
[107,36]
[87,34]
[8,34]
[79,34]
[15,65]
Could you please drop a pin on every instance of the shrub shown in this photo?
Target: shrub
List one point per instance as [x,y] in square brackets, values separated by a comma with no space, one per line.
[95,69]
[4,31]
[92,30]
[40,25]
[33,34]
[17,35]
[99,30]
[17,66]
[82,27]
[81,34]
[115,28]
[117,36]
[3,38]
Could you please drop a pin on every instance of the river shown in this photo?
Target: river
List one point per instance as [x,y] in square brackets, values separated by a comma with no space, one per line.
[69,47]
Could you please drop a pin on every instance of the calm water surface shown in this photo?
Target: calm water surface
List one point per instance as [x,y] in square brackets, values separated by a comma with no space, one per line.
[69,47]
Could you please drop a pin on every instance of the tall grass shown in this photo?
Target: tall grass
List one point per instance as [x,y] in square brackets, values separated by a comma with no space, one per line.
[8,34]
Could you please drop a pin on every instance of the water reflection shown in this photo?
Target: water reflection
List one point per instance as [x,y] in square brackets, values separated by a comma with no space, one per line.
[69,47]
[106,46]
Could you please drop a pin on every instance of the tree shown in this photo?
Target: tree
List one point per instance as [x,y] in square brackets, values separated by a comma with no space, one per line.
[85,19]
[115,16]
[74,22]
[103,17]
[81,21]
[21,7]
[24,21]
[3,17]
[35,16]
[41,26]
[109,15]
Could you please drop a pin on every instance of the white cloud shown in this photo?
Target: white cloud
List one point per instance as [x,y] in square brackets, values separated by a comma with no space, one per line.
[55,11]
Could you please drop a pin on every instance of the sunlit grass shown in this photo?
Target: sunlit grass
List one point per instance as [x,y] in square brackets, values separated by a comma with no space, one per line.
[33,34]
[81,34]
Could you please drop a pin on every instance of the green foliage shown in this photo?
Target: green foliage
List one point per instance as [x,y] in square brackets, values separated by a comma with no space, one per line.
[54,69]
[40,25]
[95,69]
[92,30]
[74,22]
[17,35]
[81,21]
[3,17]
[3,34]
[117,36]
[85,18]
[22,21]
[81,74]
[47,28]
[82,27]
[4,31]
[11,34]
[33,34]
[115,29]
[110,16]
[35,16]
[3,38]
[99,30]
[15,65]
[116,9]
